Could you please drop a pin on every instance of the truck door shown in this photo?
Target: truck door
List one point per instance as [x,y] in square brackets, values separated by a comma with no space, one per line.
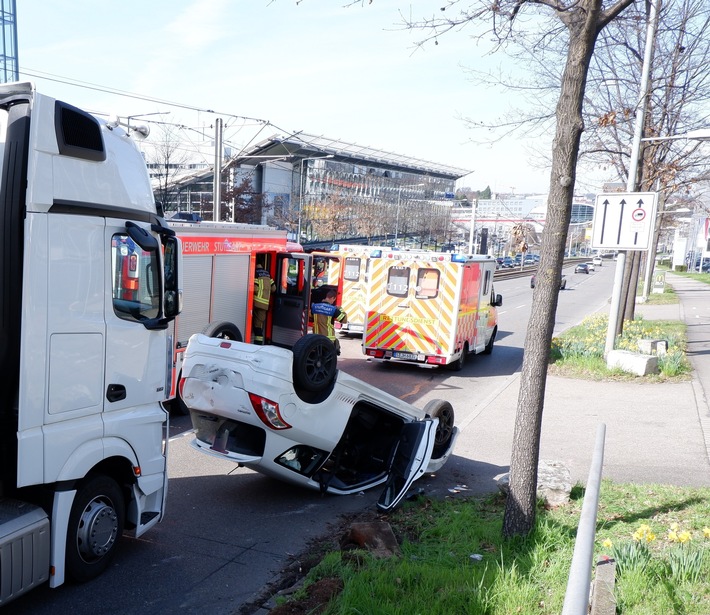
[292,298]
[131,349]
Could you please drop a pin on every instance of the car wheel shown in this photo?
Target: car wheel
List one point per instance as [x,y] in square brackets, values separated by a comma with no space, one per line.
[179,405]
[314,363]
[489,346]
[223,330]
[95,525]
[444,411]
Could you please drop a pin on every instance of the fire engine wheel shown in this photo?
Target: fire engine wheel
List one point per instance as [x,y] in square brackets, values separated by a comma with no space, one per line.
[95,525]
[223,330]
[457,365]
[489,346]
[444,411]
[314,363]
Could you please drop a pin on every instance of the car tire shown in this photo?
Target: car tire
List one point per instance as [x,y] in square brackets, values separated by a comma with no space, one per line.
[314,363]
[223,330]
[444,411]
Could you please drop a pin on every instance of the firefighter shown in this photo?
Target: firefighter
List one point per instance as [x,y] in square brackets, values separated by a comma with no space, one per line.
[325,314]
[263,287]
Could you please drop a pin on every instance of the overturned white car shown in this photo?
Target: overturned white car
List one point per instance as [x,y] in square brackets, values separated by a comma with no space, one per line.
[295,416]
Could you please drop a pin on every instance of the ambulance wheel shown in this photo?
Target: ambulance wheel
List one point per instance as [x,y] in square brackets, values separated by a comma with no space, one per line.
[95,526]
[457,365]
[489,346]
[223,330]
[444,411]
[314,363]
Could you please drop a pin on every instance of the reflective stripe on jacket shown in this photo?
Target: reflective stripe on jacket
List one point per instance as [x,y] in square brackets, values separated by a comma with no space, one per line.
[263,287]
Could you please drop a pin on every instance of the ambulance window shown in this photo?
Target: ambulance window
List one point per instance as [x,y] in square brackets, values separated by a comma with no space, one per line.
[398,281]
[427,284]
[486,281]
[135,280]
[352,269]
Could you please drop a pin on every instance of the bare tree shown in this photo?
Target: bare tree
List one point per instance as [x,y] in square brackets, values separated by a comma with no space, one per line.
[169,158]
[582,21]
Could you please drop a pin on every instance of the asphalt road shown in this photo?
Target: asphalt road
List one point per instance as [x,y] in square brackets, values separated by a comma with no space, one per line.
[228,531]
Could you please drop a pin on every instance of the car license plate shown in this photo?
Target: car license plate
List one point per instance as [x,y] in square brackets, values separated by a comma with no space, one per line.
[409,356]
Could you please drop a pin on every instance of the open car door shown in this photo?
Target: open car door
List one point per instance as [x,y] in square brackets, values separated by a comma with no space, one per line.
[409,461]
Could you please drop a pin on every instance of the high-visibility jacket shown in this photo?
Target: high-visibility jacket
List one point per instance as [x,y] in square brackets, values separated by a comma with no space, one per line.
[263,287]
[324,314]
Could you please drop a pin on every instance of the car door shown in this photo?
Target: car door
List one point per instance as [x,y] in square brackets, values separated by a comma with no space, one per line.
[409,461]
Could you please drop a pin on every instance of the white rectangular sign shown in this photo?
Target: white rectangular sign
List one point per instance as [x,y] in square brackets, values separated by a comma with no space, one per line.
[624,220]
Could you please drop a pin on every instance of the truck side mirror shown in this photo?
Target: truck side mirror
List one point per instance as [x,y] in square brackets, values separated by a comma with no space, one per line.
[499,301]
[172,300]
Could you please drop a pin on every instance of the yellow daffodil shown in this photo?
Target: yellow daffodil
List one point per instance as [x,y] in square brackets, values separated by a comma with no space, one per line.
[706,532]
[672,536]
[685,536]
[650,537]
[607,544]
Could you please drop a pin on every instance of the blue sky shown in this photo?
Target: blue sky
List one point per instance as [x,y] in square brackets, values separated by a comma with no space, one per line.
[347,73]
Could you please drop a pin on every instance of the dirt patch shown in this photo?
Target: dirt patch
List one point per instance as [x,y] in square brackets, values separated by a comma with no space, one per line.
[318,595]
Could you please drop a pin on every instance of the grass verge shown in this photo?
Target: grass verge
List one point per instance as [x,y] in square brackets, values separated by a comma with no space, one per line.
[454,559]
[579,351]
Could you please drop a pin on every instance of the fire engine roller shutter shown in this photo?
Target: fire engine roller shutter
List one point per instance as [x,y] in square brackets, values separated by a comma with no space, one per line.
[230,290]
[197,280]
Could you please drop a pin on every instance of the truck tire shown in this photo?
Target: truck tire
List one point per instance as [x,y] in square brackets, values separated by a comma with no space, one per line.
[223,330]
[444,411]
[314,363]
[95,526]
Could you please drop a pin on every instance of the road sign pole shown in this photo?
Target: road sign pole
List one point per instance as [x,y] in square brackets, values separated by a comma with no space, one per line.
[615,306]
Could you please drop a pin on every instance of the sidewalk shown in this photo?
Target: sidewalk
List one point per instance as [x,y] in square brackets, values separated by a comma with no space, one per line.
[655,433]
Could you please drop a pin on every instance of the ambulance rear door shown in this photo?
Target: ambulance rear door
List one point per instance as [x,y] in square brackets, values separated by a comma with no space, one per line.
[412,309]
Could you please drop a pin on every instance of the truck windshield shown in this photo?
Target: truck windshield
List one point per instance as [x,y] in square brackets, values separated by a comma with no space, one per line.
[136,283]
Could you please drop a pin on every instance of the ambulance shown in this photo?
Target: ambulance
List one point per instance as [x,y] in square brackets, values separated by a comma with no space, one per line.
[345,270]
[219,262]
[430,308]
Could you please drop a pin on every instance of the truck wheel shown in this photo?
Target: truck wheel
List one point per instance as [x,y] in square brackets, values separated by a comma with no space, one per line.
[444,411]
[489,346]
[223,330]
[314,363]
[95,525]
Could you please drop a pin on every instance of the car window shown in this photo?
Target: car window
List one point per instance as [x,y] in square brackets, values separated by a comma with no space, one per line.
[352,269]
[135,280]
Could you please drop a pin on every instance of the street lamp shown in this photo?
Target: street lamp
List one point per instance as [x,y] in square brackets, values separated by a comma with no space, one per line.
[302,180]
[399,202]
[702,134]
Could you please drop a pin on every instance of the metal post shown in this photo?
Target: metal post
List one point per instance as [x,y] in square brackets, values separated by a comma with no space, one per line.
[217,183]
[396,224]
[615,306]
[577,594]
[472,231]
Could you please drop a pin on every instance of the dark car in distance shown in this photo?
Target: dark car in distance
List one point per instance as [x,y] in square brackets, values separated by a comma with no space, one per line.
[581,268]
[563,282]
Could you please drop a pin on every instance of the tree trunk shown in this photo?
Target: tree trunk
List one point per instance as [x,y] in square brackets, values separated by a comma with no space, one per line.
[519,518]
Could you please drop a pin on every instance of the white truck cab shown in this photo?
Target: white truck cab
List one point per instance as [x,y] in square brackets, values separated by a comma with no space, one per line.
[89,282]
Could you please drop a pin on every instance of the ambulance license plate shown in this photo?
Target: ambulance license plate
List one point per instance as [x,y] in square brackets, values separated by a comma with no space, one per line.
[409,356]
